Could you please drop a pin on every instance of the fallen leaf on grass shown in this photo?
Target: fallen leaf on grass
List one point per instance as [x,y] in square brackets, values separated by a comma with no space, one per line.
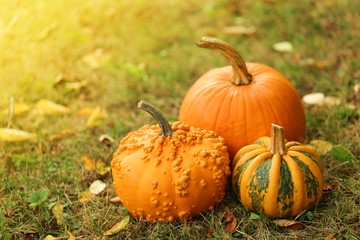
[63,80]
[71,237]
[118,227]
[86,196]
[97,187]
[290,224]
[18,109]
[15,135]
[254,216]
[330,237]
[88,163]
[106,139]
[47,107]
[314,98]
[102,168]
[327,187]
[96,118]
[230,221]
[50,237]
[235,30]
[85,111]
[320,99]
[115,200]
[322,147]
[342,154]
[63,133]
[58,211]
[37,197]
[356,88]
[283,47]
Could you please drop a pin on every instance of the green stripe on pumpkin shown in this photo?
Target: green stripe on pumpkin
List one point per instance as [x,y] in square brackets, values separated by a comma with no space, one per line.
[311,182]
[237,177]
[259,183]
[286,190]
[311,157]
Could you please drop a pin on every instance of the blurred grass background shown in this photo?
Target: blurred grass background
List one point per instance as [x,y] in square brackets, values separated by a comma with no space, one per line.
[125,51]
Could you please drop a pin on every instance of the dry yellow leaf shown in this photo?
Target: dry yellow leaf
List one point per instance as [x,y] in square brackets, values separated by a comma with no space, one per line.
[50,237]
[85,111]
[102,168]
[322,147]
[96,117]
[63,133]
[118,227]
[58,211]
[47,107]
[88,163]
[97,187]
[18,109]
[330,237]
[15,135]
[86,196]
[115,200]
[71,237]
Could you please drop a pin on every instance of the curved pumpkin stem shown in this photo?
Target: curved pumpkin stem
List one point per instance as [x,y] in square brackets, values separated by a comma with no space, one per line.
[163,123]
[277,143]
[241,74]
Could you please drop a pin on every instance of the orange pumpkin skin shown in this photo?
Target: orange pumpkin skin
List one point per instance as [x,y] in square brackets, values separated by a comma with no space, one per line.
[167,178]
[242,112]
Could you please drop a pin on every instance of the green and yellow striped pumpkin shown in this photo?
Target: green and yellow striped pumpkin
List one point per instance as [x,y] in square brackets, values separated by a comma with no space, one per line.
[276,178]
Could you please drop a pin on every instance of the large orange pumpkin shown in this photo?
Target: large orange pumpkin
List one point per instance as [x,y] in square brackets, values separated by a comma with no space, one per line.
[170,171]
[240,101]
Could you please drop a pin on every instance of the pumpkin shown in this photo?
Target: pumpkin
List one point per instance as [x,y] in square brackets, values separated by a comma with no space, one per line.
[170,171]
[240,101]
[276,178]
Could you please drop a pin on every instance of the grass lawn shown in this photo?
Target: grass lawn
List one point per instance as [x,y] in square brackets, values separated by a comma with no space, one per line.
[108,55]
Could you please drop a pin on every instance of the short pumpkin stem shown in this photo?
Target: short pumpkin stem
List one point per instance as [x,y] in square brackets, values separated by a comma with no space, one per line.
[241,75]
[277,143]
[163,123]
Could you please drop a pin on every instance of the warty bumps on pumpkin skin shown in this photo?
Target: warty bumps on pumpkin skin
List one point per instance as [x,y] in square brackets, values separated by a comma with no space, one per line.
[240,102]
[170,171]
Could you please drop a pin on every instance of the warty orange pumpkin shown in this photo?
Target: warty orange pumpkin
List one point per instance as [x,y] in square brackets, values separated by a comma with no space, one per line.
[170,171]
[276,178]
[240,101]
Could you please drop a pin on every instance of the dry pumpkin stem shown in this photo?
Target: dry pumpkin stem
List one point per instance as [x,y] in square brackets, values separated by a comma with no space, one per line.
[161,120]
[241,75]
[277,144]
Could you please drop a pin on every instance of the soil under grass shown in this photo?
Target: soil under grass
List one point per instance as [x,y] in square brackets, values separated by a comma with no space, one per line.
[125,51]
